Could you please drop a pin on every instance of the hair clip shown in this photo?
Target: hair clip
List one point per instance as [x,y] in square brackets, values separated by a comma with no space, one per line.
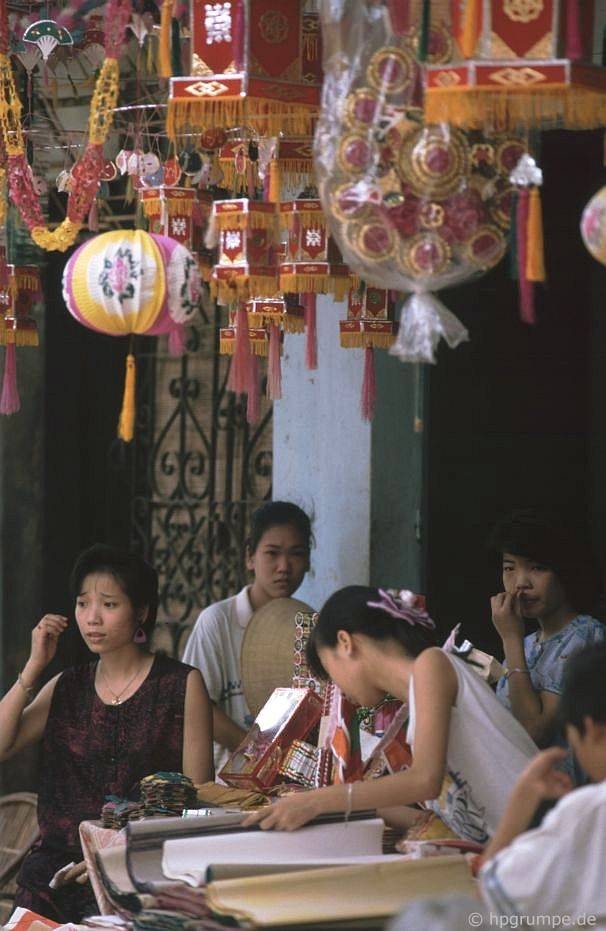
[404,605]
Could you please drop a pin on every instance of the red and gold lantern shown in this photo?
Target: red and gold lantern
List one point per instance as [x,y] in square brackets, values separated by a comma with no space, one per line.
[254,63]
[513,76]
[313,263]
[170,211]
[245,234]
[18,327]
[369,325]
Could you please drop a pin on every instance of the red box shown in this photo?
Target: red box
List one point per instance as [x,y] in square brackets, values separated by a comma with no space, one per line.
[288,715]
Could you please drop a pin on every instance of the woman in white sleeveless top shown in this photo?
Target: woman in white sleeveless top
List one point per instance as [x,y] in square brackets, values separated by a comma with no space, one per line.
[467,748]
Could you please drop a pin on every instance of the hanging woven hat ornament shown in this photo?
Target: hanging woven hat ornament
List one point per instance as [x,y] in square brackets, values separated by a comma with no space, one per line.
[413,207]
[127,283]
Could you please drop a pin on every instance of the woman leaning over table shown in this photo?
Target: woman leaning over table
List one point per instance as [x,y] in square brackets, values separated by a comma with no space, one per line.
[104,725]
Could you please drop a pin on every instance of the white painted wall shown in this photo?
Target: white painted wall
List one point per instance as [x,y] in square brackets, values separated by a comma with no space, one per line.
[322,452]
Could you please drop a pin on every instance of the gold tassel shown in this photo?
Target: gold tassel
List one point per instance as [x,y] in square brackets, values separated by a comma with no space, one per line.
[274,181]
[126,424]
[471,22]
[535,259]
[164,63]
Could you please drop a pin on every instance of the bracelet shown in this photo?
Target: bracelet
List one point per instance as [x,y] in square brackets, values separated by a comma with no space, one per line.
[28,689]
[349,801]
[510,672]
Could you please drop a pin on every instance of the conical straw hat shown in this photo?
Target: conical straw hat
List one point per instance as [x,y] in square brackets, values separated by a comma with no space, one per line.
[267,657]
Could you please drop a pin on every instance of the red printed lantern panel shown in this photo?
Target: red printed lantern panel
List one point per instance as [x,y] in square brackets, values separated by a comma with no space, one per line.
[252,61]
[170,211]
[508,29]
[17,326]
[308,239]
[370,319]
[245,231]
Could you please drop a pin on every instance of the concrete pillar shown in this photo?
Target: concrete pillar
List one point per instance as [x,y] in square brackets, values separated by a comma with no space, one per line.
[361,483]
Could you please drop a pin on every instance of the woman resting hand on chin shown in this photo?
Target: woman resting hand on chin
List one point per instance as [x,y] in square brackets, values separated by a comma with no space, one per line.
[104,725]
[467,749]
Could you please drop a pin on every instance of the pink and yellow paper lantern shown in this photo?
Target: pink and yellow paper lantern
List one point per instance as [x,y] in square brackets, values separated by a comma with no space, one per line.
[128,282]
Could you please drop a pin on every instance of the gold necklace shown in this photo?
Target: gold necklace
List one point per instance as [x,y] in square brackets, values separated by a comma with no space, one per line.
[117,697]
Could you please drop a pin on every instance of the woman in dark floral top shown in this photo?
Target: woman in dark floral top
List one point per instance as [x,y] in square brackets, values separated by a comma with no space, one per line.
[104,725]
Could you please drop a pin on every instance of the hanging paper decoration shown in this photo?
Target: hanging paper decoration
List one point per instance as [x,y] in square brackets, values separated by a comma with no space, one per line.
[253,63]
[313,263]
[413,207]
[292,158]
[87,170]
[528,178]
[129,282]
[170,211]
[281,312]
[29,56]
[513,76]
[369,326]
[47,35]
[17,327]
[245,234]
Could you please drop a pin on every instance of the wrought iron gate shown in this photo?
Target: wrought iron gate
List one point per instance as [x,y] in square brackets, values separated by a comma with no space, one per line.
[197,470]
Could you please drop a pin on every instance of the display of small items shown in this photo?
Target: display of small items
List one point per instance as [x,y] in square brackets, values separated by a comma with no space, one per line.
[160,794]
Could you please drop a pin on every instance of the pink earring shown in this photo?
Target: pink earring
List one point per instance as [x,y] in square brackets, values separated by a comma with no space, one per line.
[140,636]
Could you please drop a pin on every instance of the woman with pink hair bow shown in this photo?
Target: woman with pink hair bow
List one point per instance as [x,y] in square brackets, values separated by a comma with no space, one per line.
[467,748]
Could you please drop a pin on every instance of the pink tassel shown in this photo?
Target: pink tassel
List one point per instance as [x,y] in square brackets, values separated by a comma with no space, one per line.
[274,368]
[574,41]
[253,405]
[525,287]
[10,402]
[240,363]
[177,338]
[311,331]
[399,16]
[93,217]
[368,398]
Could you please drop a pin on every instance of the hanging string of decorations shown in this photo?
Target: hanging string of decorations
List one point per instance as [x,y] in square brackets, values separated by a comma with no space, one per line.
[87,172]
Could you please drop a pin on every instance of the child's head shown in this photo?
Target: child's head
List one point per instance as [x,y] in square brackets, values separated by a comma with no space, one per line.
[582,709]
[357,615]
[530,539]
[137,579]
[278,549]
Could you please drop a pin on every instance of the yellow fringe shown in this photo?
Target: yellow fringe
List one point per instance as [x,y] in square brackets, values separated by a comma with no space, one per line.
[260,347]
[535,258]
[28,337]
[227,346]
[287,322]
[365,340]
[471,23]
[313,218]
[25,280]
[294,172]
[241,220]
[126,424]
[274,182]
[337,285]
[242,287]
[164,63]
[182,207]
[269,117]
[310,46]
[507,108]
